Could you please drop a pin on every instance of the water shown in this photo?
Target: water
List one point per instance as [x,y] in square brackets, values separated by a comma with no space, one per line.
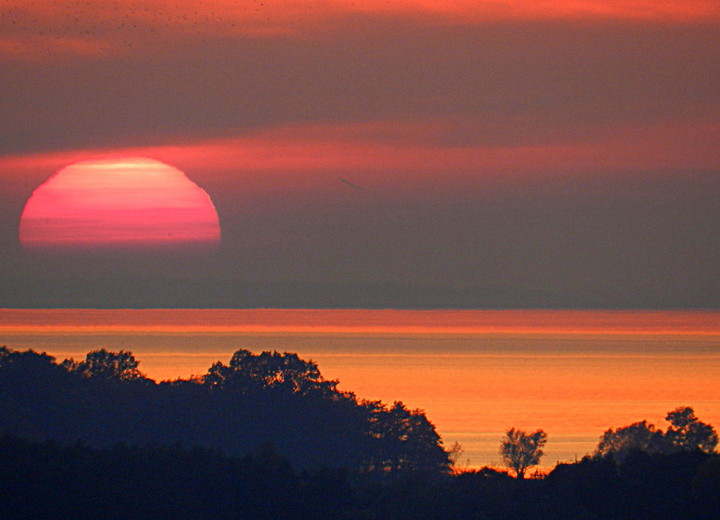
[475,373]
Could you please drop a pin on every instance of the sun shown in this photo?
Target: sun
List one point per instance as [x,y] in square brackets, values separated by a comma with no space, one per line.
[131,203]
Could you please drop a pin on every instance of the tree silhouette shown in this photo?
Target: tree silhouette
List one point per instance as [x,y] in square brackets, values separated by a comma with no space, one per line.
[272,398]
[687,432]
[641,436]
[405,440]
[105,365]
[117,452]
[26,362]
[521,450]
[269,370]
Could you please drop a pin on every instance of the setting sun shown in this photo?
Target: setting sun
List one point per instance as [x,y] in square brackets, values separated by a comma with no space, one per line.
[119,203]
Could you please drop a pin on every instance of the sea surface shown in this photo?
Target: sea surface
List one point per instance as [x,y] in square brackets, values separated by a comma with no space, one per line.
[475,373]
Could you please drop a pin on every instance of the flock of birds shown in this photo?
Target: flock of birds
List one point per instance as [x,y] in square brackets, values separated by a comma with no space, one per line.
[52,26]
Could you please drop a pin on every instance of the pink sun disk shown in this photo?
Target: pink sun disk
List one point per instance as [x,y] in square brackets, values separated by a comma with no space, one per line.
[129,203]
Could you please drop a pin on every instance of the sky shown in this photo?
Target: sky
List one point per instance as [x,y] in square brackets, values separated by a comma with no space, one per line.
[404,154]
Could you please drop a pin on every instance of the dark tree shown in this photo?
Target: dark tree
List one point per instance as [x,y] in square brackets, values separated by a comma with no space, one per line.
[269,370]
[641,436]
[105,365]
[521,450]
[12,362]
[404,440]
[270,398]
[687,432]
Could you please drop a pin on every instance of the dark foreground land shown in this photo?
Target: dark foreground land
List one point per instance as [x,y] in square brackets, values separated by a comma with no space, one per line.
[47,481]
[266,437]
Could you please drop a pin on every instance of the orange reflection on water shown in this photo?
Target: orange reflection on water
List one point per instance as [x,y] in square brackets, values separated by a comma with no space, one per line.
[475,373]
[365,321]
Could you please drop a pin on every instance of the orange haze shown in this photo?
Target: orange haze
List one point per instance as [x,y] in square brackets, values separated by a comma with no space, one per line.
[354,321]
[476,373]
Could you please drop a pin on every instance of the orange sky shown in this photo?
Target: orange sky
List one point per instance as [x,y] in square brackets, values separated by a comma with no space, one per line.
[356,321]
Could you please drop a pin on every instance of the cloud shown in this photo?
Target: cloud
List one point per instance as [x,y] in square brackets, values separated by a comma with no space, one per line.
[523,81]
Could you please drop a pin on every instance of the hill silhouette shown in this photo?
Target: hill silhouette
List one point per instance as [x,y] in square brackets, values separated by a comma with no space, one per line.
[271,398]
[267,437]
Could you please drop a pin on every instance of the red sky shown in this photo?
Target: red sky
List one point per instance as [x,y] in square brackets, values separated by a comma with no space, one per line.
[384,153]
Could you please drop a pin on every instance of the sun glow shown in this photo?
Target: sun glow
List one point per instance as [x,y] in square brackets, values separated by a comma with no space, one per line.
[134,203]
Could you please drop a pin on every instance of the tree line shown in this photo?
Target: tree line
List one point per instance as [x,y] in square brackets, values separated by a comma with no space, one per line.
[51,481]
[521,450]
[256,399]
[267,437]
